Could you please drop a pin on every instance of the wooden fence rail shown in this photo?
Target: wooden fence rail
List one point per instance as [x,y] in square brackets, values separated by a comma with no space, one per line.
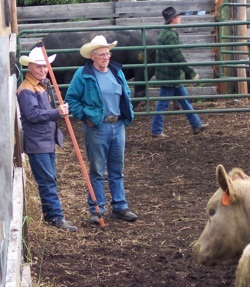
[11,188]
[103,13]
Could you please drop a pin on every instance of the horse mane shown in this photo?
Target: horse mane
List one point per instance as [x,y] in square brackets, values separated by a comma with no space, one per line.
[238,173]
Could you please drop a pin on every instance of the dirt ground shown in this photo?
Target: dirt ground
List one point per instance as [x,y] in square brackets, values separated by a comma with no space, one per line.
[168,183]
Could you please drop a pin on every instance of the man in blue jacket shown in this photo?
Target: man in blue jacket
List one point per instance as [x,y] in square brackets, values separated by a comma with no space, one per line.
[99,96]
[39,117]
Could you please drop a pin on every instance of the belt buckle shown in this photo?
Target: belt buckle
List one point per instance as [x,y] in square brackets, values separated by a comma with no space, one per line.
[111,119]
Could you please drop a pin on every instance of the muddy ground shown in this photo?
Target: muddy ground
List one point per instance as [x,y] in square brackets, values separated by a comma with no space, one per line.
[168,183]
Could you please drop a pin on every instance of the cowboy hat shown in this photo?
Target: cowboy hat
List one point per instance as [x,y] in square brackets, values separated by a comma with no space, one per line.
[169,13]
[97,42]
[36,56]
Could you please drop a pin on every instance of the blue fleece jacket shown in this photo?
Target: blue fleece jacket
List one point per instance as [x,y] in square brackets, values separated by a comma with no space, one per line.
[85,99]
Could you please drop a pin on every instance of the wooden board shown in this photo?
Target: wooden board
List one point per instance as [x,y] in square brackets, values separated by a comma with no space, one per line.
[6,132]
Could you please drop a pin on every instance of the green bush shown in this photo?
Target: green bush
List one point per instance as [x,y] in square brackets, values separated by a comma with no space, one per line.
[21,3]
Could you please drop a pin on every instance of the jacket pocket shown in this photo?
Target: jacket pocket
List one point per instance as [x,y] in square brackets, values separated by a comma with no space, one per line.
[41,129]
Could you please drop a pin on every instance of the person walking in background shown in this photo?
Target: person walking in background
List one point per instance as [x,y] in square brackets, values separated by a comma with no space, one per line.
[39,117]
[173,55]
[99,96]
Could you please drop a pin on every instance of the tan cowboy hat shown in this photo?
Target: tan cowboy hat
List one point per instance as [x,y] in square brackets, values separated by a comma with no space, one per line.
[97,42]
[35,56]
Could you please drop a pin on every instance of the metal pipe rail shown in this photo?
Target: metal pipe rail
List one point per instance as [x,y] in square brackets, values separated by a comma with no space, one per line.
[145,65]
[207,97]
[139,27]
[207,111]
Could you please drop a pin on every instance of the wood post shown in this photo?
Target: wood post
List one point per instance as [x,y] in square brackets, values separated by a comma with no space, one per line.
[241,15]
[13,22]
[7,132]
[221,15]
[238,31]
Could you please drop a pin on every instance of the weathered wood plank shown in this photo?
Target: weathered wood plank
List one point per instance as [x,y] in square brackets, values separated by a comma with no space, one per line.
[197,39]
[6,132]
[68,11]
[149,21]
[67,25]
[140,21]
[14,261]
[151,9]
[12,54]
[107,10]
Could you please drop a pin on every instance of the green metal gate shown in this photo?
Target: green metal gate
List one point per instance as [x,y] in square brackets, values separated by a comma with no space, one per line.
[152,83]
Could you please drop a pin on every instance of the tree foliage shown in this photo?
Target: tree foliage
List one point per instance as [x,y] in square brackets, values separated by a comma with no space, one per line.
[21,3]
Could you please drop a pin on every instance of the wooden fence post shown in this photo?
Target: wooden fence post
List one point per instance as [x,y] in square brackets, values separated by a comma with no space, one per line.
[241,31]
[6,131]
[237,30]
[14,25]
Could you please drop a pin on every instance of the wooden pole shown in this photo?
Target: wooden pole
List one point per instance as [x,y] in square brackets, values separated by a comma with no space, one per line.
[1,19]
[241,15]
[222,15]
[14,25]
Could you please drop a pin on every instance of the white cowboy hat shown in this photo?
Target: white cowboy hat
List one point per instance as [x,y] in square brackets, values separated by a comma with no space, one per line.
[35,56]
[97,42]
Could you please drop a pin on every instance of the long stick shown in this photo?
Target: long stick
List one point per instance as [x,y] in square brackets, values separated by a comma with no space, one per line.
[72,135]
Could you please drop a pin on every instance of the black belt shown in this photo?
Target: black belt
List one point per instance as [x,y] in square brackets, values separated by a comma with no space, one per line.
[112,119]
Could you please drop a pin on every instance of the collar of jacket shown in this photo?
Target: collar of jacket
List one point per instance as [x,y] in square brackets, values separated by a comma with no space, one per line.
[170,29]
[88,68]
[33,81]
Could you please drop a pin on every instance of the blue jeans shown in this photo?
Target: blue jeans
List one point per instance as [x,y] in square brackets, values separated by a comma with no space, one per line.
[43,167]
[158,120]
[105,147]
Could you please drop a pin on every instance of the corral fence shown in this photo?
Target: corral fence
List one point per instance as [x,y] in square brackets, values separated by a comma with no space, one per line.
[221,59]
[11,172]
[213,43]
[124,14]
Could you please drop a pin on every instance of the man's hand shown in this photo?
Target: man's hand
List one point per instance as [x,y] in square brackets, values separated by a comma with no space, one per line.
[63,109]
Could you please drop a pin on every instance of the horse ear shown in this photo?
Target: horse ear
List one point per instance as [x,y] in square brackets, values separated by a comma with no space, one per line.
[226,185]
[222,177]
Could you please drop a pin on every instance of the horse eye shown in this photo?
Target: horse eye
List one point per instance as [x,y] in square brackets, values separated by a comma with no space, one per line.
[211,212]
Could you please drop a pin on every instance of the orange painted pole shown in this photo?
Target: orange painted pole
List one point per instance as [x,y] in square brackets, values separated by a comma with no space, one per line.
[72,135]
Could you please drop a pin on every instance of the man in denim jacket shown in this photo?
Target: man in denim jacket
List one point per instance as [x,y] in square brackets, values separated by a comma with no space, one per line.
[99,96]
